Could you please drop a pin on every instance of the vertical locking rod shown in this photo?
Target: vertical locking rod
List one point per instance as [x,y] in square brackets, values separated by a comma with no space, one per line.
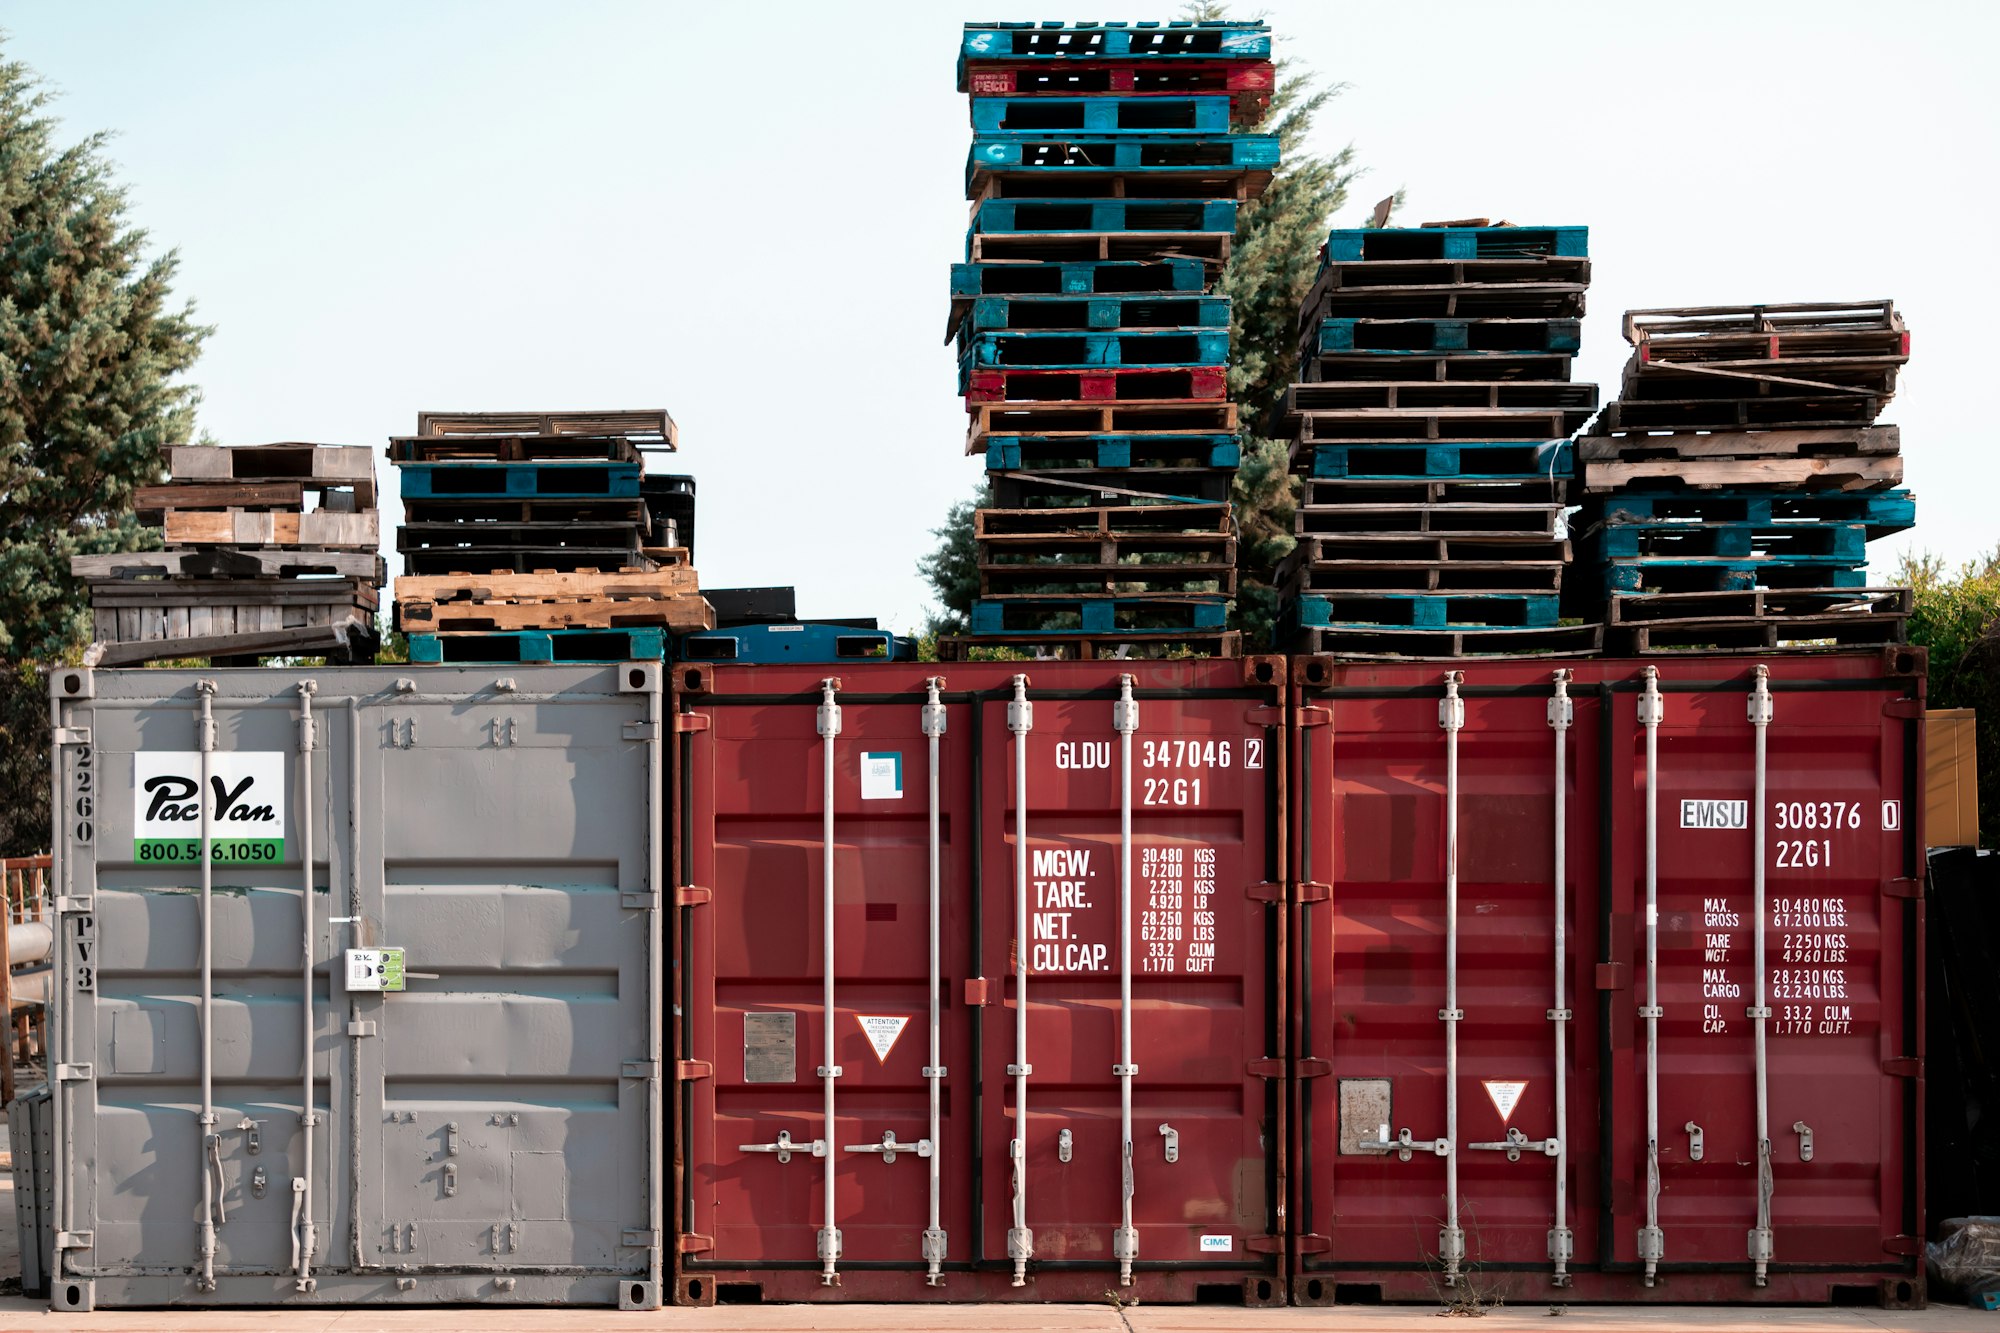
[209,1142]
[1760,710]
[1561,713]
[934,1238]
[1020,1240]
[1451,716]
[1652,1241]
[307,1237]
[1125,1244]
[829,730]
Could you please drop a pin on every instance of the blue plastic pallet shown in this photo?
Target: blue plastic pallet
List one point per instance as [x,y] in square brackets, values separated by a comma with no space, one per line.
[1112,277]
[1060,314]
[519,481]
[808,642]
[1079,349]
[1100,115]
[557,645]
[1883,512]
[1055,217]
[1099,615]
[1059,156]
[1010,453]
[1784,544]
[1452,611]
[1461,460]
[1220,39]
[1474,337]
[1348,246]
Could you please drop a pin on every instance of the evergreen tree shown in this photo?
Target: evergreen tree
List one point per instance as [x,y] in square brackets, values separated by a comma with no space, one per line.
[91,352]
[1957,620]
[952,569]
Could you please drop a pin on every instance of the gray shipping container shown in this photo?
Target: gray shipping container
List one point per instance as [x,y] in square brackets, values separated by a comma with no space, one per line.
[480,1117]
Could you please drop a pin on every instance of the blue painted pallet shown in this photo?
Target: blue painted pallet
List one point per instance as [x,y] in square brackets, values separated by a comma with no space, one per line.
[1009,453]
[560,645]
[522,481]
[810,642]
[1882,512]
[1059,216]
[1078,350]
[1113,277]
[1513,460]
[1100,115]
[1665,575]
[1450,611]
[1348,246]
[1470,336]
[1216,39]
[1133,154]
[1075,313]
[1787,543]
[1027,616]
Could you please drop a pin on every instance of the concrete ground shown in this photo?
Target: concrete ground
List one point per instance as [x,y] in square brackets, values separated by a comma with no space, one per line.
[19,1313]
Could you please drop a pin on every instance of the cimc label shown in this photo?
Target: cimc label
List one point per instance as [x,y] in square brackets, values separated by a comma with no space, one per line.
[245,801]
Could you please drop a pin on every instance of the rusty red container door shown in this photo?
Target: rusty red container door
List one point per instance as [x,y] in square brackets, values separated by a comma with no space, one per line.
[1030,897]
[1483,1102]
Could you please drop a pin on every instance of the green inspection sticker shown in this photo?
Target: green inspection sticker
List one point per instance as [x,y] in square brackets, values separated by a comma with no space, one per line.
[221,851]
[392,969]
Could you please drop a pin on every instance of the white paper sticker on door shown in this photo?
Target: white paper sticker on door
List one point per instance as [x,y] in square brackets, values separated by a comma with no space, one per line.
[1217,1244]
[882,1031]
[1505,1097]
[882,776]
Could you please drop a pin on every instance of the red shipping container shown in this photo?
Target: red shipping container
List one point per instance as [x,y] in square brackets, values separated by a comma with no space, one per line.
[1487,874]
[875,1158]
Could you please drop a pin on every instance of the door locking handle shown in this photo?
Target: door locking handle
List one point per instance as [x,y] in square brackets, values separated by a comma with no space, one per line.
[784,1147]
[1173,1142]
[888,1147]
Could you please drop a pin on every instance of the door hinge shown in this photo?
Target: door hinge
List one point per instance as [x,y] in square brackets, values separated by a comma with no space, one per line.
[70,736]
[638,1238]
[1311,1244]
[689,1070]
[1902,888]
[1265,715]
[1312,716]
[76,1240]
[1903,1066]
[693,1244]
[1267,1067]
[638,1068]
[69,904]
[1267,892]
[685,722]
[1312,1066]
[73,1073]
[693,895]
[1264,1244]
[1613,976]
[976,989]
[1902,1245]
[361,1027]
[641,731]
[1311,891]
[1908,710]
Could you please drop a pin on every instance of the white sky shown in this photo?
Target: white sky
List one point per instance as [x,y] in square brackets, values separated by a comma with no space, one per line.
[745,214]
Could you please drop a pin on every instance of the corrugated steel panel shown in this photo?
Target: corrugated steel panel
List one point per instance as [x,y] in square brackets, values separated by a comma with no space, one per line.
[489,1133]
[1389,822]
[758,1152]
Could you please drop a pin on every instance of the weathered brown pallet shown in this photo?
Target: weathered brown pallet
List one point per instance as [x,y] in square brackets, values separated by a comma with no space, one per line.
[684,614]
[1097,417]
[549,584]
[1092,647]
[196,609]
[511,449]
[1770,332]
[1789,633]
[1442,425]
[991,523]
[128,594]
[1560,641]
[228,562]
[1456,576]
[190,496]
[1342,285]
[1797,378]
[1704,608]
[1435,367]
[351,640]
[647,424]
[1493,522]
[1342,491]
[1840,442]
[1435,398]
[1808,411]
[1846,474]
[316,467]
[1100,247]
[319,528]
[1124,564]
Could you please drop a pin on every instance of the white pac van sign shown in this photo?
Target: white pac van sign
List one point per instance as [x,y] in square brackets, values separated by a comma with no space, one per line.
[245,801]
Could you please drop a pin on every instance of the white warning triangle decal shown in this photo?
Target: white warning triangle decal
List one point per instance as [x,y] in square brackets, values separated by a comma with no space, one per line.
[882,1031]
[1505,1096]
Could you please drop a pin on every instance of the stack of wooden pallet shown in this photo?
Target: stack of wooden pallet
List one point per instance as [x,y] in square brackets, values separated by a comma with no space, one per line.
[249,570]
[1431,429]
[1093,357]
[528,537]
[1730,491]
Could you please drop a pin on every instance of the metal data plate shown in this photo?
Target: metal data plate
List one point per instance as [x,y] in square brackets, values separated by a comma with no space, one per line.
[770,1047]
